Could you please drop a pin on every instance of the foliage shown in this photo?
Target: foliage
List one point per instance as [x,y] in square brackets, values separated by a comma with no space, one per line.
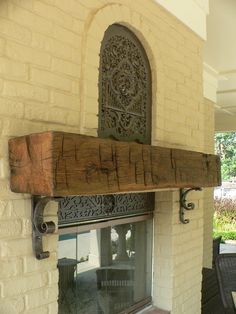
[225,146]
[224,221]
[226,235]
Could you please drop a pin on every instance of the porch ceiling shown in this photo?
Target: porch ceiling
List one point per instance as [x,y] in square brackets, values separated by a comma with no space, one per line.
[220,54]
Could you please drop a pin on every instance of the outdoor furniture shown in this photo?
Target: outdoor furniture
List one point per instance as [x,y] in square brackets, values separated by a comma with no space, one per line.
[226,274]
[211,298]
[115,289]
[66,268]
[216,249]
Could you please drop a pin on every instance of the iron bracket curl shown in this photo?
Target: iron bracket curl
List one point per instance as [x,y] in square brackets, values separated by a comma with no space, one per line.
[40,227]
[184,205]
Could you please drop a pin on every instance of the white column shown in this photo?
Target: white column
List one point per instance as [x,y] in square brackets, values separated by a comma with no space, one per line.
[94,252]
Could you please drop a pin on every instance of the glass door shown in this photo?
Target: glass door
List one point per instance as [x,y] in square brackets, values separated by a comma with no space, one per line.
[105,270]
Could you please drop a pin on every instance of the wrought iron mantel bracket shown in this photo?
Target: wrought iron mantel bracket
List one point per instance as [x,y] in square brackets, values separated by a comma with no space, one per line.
[40,227]
[184,205]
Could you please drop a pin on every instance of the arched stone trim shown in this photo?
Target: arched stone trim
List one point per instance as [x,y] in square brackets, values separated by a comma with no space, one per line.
[106,16]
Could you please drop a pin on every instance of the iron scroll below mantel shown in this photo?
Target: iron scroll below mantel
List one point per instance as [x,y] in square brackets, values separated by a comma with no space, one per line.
[184,205]
[40,227]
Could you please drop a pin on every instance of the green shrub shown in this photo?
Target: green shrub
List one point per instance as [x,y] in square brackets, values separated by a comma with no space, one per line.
[225,214]
[226,235]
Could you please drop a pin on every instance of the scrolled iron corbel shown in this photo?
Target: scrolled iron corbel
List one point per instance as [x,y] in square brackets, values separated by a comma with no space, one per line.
[40,227]
[184,205]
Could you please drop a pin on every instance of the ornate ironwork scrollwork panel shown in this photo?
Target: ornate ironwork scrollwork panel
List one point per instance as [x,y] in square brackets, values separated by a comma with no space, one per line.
[124,87]
[84,208]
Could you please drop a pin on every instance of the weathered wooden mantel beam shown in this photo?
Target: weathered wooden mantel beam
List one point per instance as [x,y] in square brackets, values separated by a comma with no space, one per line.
[62,164]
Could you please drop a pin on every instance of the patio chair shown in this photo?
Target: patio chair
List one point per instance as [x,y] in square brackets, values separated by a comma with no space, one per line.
[216,249]
[226,274]
[211,299]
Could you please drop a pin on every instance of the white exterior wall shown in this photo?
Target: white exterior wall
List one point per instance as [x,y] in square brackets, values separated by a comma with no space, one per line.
[49,52]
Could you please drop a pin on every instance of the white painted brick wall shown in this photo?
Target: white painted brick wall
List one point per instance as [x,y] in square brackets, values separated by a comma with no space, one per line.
[49,59]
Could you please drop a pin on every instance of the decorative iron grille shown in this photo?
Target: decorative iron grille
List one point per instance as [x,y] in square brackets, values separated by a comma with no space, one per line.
[86,208]
[124,87]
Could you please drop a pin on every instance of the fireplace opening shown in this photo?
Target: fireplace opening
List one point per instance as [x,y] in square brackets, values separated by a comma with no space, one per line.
[105,253]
